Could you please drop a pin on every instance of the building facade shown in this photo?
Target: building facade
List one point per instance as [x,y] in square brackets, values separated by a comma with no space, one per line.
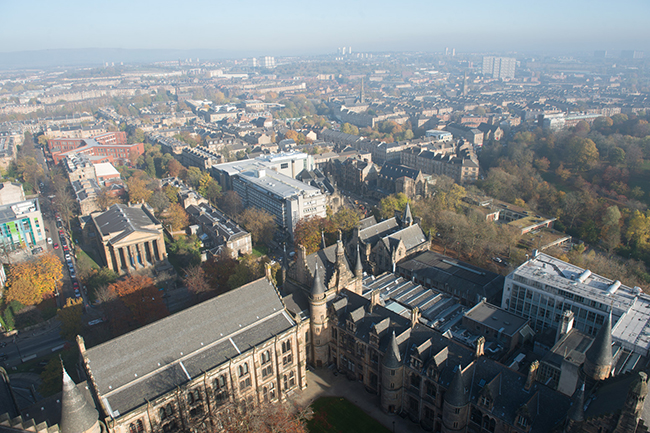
[129,237]
[242,347]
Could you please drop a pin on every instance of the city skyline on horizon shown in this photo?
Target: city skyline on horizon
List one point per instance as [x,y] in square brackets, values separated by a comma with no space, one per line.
[292,28]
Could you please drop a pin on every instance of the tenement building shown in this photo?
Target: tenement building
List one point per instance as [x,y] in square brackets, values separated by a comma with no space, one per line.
[129,237]
[180,373]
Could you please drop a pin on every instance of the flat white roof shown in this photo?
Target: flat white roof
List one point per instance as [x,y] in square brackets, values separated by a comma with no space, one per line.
[103,169]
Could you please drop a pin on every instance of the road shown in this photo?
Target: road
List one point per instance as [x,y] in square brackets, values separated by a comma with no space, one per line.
[29,345]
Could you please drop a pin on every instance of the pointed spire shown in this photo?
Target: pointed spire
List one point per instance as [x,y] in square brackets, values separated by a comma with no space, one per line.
[577,410]
[317,289]
[455,395]
[600,351]
[358,268]
[392,358]
[407,220]
[77,415]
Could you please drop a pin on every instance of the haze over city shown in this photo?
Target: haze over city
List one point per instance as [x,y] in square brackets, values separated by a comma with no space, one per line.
[333,217]
[291,27]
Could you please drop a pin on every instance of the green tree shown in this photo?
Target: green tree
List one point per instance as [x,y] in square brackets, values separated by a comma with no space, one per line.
[394,202]
[582,152]
[347,128]
[610,233]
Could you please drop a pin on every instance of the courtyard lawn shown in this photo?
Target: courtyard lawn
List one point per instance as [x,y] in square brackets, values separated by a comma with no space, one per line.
[338,415]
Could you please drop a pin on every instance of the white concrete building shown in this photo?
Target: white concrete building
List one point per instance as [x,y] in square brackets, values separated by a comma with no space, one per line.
[544,287]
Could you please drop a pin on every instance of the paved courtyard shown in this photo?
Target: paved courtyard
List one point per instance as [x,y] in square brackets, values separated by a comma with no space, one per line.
[323,383]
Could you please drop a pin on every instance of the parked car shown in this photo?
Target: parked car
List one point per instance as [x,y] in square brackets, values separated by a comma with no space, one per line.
[49,241]
[37,250]
[56,246]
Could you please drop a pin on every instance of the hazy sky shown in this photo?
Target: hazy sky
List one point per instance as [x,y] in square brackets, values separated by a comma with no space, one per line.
[281,27]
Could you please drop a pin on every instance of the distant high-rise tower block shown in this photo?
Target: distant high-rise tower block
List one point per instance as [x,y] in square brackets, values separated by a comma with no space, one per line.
[499,67]
[269,62]
[631,54]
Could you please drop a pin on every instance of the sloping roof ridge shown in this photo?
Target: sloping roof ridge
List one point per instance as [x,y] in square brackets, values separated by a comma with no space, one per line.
[192,354]
[186,311]
[384,222]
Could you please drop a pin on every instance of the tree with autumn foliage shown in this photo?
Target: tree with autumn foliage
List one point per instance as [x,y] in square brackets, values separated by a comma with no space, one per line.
[196,281]
[259,223]
[261,418]
[30,281]
[176,217]
[308,232]
[138,302]
[138,191]
[70,318]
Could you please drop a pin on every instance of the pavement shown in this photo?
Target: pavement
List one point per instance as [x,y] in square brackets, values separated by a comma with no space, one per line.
[323,383]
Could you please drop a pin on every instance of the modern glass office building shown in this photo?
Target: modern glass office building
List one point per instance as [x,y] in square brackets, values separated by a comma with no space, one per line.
[21,225]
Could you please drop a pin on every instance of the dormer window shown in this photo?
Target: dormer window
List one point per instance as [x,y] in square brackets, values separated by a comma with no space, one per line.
[522,421]
[415,362]
[485,401]
[374,340]
[351,326]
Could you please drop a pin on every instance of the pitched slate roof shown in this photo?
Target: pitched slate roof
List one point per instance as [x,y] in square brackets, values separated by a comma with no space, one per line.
[411,237]
[394,172]
[150,361]
[121,220]
[325,259]
[546,407]
[372,234]
[454,276]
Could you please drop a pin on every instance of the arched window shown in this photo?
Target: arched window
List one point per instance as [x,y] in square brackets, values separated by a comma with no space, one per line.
[243,369]
[220,386]
[286,346]
[136,427]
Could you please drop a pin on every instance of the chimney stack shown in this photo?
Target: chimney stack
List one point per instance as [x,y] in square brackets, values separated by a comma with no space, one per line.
[532,375]
[480,346]
[415,316]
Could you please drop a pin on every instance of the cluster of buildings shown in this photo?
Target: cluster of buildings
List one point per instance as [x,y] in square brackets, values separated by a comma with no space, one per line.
[218,233]
[425,339]
[269,183]
[108,147]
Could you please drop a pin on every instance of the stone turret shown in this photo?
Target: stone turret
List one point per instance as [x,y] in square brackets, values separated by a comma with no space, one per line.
[342,271]
[576,414]
[318,322]
[455,408]
[598,358]
[392,377]
[633,408]
[77,414]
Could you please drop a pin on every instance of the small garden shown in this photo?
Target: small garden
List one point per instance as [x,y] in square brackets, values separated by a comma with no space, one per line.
[338,415]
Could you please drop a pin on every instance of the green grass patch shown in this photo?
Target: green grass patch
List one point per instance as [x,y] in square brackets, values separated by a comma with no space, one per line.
[85,261]
[338,415]
[260,250]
